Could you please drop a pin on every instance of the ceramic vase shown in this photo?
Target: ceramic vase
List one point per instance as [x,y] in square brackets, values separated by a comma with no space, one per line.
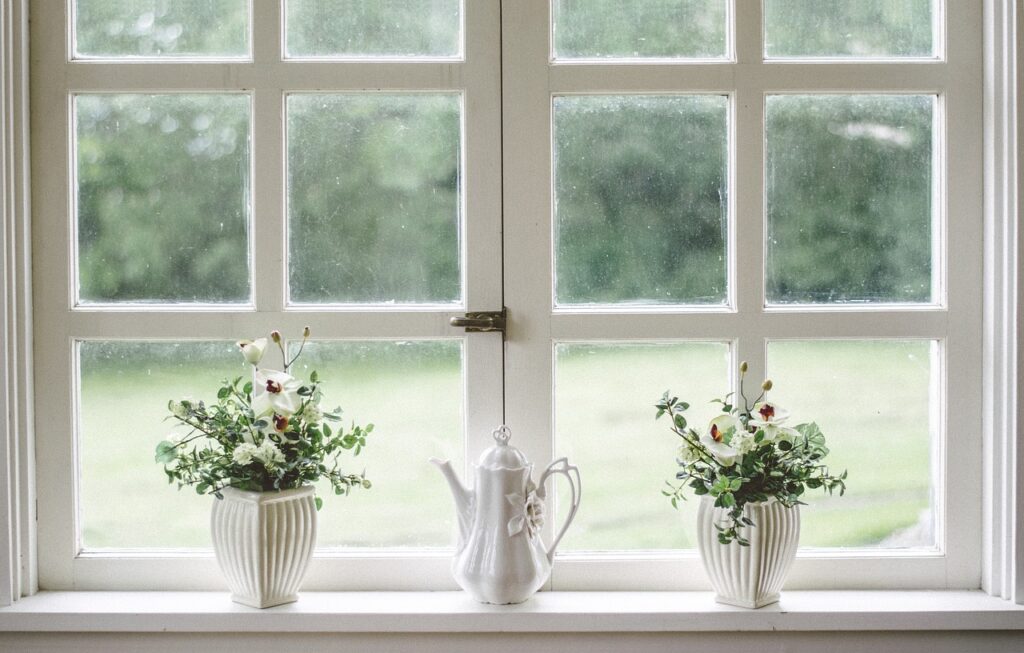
[264,542]
[749,576]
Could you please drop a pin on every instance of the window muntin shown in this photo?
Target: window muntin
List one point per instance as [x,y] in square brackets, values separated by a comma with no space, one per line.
[850,182]
[604,393]
[370,29]
[878,403]
[641,29]
[156,29]
[162,205]
[375,198]
[641,199]
[850,29]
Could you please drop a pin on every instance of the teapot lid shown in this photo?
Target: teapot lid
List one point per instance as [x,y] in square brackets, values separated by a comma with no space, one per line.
[502,455]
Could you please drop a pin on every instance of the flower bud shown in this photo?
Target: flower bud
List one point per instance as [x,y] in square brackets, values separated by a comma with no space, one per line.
[767,385]
[743,367]
[275,336]
[252,350]
[306,332]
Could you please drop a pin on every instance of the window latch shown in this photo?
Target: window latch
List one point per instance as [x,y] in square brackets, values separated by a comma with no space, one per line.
[481,321]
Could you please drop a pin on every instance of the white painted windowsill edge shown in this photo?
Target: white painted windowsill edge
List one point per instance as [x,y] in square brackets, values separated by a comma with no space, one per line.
[452,612]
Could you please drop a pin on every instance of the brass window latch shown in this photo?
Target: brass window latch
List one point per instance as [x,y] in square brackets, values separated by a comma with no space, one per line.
[481,321]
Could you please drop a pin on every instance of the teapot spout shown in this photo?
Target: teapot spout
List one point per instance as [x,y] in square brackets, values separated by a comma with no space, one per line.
[463,498]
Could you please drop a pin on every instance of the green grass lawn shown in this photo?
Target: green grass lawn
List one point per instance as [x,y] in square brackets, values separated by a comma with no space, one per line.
[870,398]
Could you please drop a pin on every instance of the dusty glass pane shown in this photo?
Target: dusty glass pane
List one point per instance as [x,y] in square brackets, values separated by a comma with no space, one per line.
[874,401]
[372,28]
[125,386]
[125,500]
[163,198]
[161,28]
[640,199]
[849,197]
[374,206]
[591,29]
[862,29]
[604,422]
[412,392]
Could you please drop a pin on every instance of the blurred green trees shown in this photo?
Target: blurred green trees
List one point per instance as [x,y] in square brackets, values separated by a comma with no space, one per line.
[642,183]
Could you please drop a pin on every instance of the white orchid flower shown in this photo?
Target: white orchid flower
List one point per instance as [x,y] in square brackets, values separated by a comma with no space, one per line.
[769,418]
[723,425]
[275,392]
[768,414]
[253,350]
[723,453]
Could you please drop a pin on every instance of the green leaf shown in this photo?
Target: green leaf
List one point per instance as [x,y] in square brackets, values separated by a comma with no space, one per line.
[166,452]
[317,500]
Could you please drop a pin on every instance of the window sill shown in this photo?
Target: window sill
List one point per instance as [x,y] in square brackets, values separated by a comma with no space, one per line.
[453,612]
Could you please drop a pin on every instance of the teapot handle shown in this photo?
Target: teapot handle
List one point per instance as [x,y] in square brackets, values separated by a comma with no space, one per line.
[571,472]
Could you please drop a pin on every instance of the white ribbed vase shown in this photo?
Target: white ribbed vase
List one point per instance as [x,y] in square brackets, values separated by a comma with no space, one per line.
[749,576]
[264,542]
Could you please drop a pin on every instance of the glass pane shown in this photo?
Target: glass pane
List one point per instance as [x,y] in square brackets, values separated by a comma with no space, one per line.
[163,198]
[374,198]
[604,423]
[159,28]
[861,29]
[412,392]
[125,500]
[849,192]
[591,29]
[874,402]
[372,28]
[640,199]
[125,387]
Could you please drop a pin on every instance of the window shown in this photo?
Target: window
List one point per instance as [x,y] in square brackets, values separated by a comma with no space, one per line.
[655,190]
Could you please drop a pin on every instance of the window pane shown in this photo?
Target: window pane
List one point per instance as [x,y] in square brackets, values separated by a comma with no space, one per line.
[374,198]
[640,29]
[604,422]
[125,500]
[873,400]
[125,386]
[371,28]
[158,28]
[163,198]
[640,199]
[412,392]
[849,192]
[848,28]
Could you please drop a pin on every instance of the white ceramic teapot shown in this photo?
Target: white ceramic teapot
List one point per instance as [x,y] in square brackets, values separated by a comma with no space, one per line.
[500,557]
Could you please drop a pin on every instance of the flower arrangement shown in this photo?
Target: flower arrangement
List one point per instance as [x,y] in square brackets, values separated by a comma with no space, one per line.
[266,434]
[748,454]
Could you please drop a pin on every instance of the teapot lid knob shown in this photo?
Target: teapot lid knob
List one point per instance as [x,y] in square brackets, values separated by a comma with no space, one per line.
[502,435]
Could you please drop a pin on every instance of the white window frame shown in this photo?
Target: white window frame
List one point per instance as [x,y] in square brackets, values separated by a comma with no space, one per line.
[267,77]
[1001,537]
[533,77]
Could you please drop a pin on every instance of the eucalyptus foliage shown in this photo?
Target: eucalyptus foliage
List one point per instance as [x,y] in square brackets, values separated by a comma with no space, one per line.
[746,456]
[261,435]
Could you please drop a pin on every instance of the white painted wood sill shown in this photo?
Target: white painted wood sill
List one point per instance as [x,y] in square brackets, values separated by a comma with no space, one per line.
[454,612]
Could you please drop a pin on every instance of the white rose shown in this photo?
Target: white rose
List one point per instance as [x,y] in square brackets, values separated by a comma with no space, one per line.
[269,453]
[244,453]
[178,409]
[275,392]
[253,350]
[311,414]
